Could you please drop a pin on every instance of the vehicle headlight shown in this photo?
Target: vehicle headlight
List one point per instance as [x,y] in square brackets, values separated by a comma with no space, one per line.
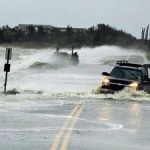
[106,81]
[134,85]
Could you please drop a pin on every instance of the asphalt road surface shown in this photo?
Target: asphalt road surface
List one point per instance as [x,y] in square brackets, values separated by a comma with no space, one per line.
[94,125]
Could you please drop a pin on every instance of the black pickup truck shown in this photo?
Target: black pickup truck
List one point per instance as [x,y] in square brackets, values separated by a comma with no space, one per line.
[125,74]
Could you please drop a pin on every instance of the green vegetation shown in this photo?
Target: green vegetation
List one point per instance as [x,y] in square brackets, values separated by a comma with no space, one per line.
[41,37]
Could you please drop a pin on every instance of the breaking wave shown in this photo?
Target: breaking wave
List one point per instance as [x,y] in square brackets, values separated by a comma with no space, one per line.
[42,65]
[71,83]
[77,97]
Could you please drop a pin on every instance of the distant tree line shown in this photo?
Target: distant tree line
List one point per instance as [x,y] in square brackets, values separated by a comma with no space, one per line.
[94,36]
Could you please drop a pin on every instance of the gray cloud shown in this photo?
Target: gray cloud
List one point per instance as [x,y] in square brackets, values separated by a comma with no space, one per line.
[129,15]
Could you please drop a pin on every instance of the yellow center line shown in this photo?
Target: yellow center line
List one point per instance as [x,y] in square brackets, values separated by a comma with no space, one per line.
[68,134]
[60,134]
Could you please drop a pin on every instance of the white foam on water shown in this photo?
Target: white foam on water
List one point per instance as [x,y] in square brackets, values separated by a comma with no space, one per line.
[102,127]
[32,78]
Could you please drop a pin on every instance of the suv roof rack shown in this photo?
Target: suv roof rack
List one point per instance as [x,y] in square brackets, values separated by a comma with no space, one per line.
[125,63]
[121,62]
[146,66]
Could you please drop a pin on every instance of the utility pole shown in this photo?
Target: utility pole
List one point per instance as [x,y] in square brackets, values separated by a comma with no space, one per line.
[8,56]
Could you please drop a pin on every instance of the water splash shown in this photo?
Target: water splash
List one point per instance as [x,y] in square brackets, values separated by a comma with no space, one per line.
[33,74]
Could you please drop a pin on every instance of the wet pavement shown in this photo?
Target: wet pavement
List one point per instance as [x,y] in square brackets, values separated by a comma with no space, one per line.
[98,125]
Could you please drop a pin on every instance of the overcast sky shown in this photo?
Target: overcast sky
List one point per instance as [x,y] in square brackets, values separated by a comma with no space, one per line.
[129,15]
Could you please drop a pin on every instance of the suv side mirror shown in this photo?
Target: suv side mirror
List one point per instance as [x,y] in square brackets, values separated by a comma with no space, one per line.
[105,74]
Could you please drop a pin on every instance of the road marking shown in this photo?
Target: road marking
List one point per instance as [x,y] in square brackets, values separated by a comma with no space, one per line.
[68,134]
[62,131]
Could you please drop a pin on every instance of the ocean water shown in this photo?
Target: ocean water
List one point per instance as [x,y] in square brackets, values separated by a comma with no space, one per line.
[37,73]
[40,87]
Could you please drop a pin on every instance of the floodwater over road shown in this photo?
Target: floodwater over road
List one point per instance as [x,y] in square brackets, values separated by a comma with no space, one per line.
[56,106]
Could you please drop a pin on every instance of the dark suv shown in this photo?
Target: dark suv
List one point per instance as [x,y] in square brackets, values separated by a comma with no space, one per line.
[124,74]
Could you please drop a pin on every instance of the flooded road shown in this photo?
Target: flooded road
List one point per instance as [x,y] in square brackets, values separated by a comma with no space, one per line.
[56,107]
[101,124]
